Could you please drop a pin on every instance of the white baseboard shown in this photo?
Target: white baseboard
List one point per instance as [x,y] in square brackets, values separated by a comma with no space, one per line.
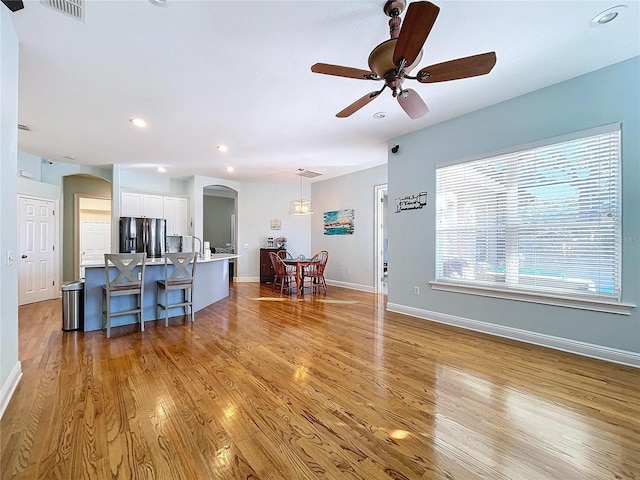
[566,345]
[352,286]
[6,392]
[246,279]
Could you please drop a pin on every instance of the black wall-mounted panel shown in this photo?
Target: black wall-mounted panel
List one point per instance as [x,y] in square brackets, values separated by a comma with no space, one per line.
[14,5]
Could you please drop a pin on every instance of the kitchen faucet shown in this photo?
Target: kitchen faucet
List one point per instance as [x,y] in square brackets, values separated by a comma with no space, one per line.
[193,245]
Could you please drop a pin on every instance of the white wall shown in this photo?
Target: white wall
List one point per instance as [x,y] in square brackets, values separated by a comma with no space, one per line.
[257,205]
[351,257]
[134,179]
[10,369]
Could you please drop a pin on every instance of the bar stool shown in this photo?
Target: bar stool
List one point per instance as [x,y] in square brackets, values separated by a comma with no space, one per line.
[124,282]
[180,279]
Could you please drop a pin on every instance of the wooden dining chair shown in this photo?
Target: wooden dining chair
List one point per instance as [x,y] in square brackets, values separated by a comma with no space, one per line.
[283,275]
[123,280]
[315,271]
[181,278]
[290,269]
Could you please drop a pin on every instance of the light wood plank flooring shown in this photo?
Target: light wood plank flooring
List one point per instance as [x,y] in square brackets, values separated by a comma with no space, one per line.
[299,388]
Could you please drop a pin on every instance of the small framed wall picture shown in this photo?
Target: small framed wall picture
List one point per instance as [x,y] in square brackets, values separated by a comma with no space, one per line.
[275,223]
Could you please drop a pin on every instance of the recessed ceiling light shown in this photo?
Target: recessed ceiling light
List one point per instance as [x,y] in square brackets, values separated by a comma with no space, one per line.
[162,169]
[70,157]
[159,3]
[138,122]
[609,15]
[379,115]
[222,148]
[229,169]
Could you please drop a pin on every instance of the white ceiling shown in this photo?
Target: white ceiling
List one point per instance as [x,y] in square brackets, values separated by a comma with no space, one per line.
[203,73]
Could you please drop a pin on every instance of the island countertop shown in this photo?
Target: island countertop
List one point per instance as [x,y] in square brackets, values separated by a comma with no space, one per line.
[215,257]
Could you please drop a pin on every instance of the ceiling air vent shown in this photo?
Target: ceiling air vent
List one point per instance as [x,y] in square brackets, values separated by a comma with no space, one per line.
[308,173]
[26,128]
[72,8]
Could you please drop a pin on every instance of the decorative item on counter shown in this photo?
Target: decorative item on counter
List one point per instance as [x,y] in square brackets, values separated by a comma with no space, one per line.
[281,242]
[270,242]
[207,250]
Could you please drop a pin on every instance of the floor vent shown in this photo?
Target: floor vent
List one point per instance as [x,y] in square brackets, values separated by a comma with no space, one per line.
[308,174]
[72,8]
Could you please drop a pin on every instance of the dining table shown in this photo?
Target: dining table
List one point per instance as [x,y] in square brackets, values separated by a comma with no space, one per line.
[300,263]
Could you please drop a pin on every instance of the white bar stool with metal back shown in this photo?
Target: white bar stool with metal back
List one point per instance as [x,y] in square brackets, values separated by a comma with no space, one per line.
[180,279]
[125,281]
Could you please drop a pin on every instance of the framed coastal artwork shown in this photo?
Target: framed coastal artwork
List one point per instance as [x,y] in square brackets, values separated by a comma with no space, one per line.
[339,222]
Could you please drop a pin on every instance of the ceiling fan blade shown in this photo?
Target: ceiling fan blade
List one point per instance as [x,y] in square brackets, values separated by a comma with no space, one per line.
[460,68]
[416,26]
[412,104]
[358,104]
[340,71]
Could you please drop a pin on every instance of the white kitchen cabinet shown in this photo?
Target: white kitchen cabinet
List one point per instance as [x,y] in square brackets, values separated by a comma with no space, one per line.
[135,204]
[131,204]
[152,206]
[176,212]
[182,216]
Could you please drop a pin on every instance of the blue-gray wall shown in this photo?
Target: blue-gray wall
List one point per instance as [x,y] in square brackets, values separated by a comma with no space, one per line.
[351,257]
[10,368]
[610,95]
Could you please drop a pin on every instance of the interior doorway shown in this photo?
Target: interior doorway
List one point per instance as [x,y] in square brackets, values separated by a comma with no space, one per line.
[38,270]
[219,226]
[381,238]
[94,230]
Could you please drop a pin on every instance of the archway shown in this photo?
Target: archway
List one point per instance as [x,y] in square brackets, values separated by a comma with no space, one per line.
[219,225]
[75,188]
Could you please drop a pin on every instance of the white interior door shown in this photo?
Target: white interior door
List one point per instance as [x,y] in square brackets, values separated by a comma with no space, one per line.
[381,241]
[95,241]
[37,272]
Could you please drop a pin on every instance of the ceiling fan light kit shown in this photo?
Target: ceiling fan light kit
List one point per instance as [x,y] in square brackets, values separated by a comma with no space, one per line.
[393,60]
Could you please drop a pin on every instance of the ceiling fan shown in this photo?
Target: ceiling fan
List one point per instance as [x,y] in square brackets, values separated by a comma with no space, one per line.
[393,60]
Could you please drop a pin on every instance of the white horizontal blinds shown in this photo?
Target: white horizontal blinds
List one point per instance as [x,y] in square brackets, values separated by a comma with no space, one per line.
[545,219]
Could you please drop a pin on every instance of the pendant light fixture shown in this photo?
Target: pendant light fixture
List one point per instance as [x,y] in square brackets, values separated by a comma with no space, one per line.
[300,206]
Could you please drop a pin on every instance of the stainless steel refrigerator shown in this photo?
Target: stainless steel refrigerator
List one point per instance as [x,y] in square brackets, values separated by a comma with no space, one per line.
[139,235]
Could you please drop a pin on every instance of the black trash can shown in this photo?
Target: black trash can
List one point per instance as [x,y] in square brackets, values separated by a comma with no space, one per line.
[72,305]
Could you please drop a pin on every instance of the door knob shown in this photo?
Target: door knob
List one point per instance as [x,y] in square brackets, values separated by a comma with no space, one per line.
[23,256]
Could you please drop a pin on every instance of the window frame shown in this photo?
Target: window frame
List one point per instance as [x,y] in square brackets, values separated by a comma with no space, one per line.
[515,292]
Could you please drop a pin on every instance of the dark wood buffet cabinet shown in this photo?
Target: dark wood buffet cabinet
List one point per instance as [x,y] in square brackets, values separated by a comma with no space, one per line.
[267,275]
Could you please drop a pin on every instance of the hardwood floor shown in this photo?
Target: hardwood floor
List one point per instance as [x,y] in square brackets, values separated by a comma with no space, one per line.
[298,388]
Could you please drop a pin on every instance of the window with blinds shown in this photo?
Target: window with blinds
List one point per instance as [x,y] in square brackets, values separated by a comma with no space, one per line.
[543,220]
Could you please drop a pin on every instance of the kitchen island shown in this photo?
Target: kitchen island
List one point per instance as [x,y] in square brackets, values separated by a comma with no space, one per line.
[211,284]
